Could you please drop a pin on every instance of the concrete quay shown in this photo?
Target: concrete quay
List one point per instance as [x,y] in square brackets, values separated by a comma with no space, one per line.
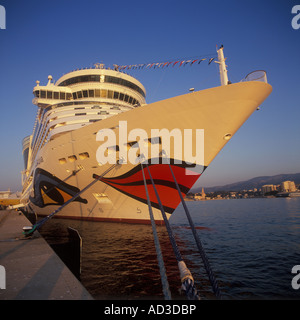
[32,270]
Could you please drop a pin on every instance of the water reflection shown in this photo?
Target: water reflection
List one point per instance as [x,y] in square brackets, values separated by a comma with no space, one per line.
[119,260]
[251,245]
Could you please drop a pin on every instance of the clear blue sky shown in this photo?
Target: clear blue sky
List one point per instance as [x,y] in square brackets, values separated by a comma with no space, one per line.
[55,37]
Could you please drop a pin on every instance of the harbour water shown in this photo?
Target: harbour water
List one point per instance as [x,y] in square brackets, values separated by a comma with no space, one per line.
[252,246]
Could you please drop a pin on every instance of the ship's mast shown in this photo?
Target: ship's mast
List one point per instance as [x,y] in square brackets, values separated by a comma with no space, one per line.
[222,66]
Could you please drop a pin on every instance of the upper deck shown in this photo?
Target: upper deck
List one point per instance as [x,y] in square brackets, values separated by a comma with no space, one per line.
[80,98]
[100,75]
[90,83]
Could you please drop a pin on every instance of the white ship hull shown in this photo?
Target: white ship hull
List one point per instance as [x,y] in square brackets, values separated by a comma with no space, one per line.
[121,196]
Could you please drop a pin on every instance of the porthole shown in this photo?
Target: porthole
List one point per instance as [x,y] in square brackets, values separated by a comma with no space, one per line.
[72,158]
[84,155]
[62,160]
[227,136]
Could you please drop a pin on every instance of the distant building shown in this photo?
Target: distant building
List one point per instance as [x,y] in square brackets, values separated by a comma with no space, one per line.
[203,194]
[9,198]
[288,186]
[5,194]
[200,196]
[268,188]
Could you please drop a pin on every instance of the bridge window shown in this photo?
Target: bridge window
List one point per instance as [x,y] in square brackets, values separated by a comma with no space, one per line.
[116,95]
[105,79]
[98,93]
[87,78]
[109,94]
[103,93]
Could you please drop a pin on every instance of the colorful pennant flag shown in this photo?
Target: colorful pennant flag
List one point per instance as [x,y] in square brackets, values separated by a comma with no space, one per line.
[210,60]
[161,64]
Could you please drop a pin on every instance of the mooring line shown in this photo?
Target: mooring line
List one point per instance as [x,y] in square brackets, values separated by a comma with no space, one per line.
[162,269]
[185,275]
[207,266]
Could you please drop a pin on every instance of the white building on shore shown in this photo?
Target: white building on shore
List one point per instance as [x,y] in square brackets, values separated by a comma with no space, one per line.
[268,188]
[288,186]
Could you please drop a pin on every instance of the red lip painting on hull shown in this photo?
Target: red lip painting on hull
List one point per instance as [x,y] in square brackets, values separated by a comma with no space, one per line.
[132,184]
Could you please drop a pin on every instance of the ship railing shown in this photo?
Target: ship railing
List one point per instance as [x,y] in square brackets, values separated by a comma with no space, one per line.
[258,75]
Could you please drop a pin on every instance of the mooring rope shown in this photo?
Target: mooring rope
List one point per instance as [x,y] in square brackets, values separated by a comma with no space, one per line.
[185,275]
[162,270]
[207,266]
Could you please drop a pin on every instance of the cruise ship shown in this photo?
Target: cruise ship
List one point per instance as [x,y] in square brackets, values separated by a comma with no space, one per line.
[61,156]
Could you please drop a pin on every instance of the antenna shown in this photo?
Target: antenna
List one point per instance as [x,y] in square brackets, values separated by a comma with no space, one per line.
[222,66]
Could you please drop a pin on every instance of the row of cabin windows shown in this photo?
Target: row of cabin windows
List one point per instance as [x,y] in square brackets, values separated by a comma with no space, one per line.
[77,103]
[103,79]
[97,93]
[98,107]
[72,158]
[65,104]
[84,113]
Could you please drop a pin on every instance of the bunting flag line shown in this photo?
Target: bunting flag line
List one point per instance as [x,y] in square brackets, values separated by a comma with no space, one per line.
[166,64]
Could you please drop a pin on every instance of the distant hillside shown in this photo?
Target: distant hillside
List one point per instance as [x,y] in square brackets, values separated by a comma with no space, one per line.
[257,182]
